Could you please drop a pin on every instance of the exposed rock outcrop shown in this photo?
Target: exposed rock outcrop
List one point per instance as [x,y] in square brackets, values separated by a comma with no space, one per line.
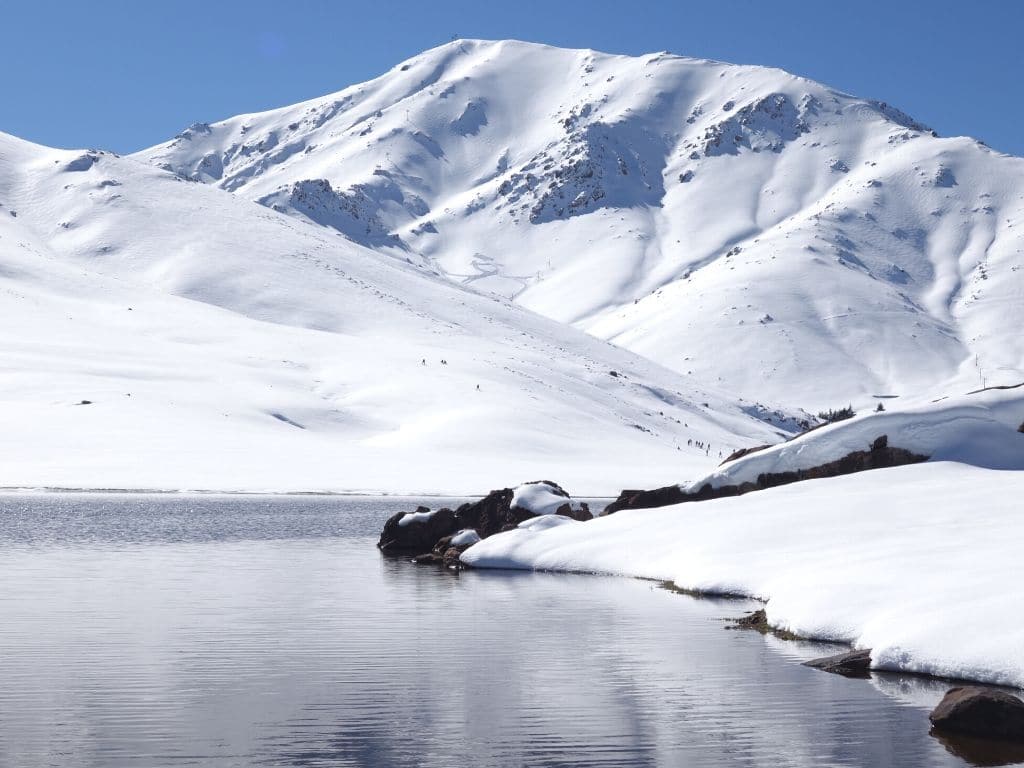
[441,536]
[982,712]
[636,499]
[878,455]
[417,531]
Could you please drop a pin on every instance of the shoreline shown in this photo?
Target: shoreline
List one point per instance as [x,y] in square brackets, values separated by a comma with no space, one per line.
[57,489]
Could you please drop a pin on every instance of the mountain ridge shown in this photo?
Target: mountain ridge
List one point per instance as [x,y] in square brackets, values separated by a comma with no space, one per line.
[485,161]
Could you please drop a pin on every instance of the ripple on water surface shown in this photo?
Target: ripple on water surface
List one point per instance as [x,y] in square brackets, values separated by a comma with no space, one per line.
[236,631]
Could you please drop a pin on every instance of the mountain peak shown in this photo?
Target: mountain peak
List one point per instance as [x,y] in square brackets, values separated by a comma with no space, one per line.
[660,202]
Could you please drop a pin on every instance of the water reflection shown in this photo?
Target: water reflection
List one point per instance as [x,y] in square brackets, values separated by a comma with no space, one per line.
[156,632]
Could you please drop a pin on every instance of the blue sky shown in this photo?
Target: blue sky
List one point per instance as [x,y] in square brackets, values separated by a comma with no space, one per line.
[124,75]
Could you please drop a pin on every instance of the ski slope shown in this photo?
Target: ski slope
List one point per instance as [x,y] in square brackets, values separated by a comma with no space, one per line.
[749,228]
[221,345]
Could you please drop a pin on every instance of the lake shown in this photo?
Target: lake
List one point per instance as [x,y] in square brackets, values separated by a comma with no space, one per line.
[168,630]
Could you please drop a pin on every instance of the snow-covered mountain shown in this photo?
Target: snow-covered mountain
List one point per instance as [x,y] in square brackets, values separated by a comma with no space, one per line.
[161,334]
[737,224]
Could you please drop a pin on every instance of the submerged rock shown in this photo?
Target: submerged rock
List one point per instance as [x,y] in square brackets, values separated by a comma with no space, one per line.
[450,558]
[849,664]
[754,620]
[982,712]
[758,621]
[428,558]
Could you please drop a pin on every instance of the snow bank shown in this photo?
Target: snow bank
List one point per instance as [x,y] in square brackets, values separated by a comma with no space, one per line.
[415,517]
[978,429]
[463,538]
[546,521]
[920,563]
[541,498]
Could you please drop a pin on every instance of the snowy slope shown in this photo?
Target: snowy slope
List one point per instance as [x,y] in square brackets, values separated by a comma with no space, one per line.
[750,228]
[983,429]
[223,345]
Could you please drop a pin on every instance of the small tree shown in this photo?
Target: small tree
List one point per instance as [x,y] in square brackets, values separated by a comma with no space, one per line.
[840,414]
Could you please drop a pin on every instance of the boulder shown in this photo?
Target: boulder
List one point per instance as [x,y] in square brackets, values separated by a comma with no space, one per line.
[488,515]
[418,531]
[980,712]
[850,664]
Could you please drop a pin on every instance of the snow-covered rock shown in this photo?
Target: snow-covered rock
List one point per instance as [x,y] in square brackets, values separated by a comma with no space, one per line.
[547,498]
[465,538]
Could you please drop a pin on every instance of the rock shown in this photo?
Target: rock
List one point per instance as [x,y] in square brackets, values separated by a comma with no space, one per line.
[447,550]
[878,456]
[850,664]
[659,497]
[753,620]
[441,536]
[1021,427]
[488,515]
[420,533]
[581,513]
[758,621]
[428,558]
[450,559]
[981,712]
[494,513]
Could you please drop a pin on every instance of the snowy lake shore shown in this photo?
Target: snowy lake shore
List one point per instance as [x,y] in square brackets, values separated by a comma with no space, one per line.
[919,563]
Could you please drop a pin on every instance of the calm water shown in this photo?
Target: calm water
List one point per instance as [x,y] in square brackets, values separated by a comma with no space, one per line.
[240,631]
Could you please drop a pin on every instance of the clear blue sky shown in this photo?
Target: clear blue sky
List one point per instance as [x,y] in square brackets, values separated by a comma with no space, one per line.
[123,75]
